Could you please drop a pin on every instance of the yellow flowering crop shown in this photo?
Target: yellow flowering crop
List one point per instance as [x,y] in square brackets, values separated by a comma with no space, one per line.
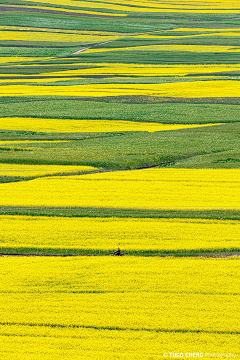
[109,233]
[191,48]
[36,170]
[9,59]
[97,307]
[53,36]
[146,6]
[192,89]
[20,341]
[139,189]
[72,126]
[184,3]
[191,29]
[187,4]
[159,36]
[128,69]
[145,70]
[9,142]
[226,4]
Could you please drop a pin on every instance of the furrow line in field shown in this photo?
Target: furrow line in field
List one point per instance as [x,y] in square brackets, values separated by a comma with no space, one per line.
[73,326]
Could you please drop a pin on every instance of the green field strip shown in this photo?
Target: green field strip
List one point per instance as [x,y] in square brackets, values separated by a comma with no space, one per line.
[40,66]
[129,41]
[48,44]
[163,57]
[136,40]
[25,251]
[40,136]
[47,80]
[120,213]
[142,99]
[132,23]
[130,109]
[7,179]
[227,159]
[67,21]
[38,51]
[128,99]
[34,70]
[104,79]
[130,150]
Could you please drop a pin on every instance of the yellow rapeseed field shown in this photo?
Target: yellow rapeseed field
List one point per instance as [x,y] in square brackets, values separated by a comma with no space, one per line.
[191,48]
[53,36]
[10,142]
[9,59]
[192,29]
[194,89]
[36,170]
[72,126]
[27,340]
[117,308]
[157,36]
[197,4]
[109,233]
[146,6]
[138,189]
[144,70]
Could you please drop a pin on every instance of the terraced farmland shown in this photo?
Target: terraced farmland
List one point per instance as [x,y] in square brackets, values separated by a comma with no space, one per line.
[119,127]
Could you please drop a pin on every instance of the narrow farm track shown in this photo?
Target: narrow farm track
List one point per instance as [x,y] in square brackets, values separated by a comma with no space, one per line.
[94,255]
[93,46]
[163,164]
[106,42]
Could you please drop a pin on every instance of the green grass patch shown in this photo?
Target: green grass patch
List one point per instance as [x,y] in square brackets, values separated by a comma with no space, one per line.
[166,113]
[11,135]
[75,22]
[34,51]
[161,57]
[130,150]
[8,179]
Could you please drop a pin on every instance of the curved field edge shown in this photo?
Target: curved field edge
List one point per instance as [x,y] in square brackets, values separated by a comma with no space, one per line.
[163,189]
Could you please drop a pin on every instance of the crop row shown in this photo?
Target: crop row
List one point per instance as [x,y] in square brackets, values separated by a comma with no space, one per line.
[108,233]
[138,189]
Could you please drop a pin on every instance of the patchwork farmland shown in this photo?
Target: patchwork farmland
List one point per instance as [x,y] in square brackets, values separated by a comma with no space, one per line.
[119,127]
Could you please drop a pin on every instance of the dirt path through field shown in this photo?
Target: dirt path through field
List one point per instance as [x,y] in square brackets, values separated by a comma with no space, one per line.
[90,47]
[212,255]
